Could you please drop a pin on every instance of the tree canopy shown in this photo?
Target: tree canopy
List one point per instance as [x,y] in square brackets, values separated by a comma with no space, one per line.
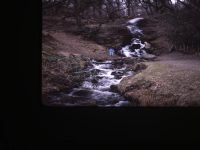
[180,17]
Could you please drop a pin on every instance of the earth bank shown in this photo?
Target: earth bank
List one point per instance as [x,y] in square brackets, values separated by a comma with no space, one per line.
[67,51]
[172,80]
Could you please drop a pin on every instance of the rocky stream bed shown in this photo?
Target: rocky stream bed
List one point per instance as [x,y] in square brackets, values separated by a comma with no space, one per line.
[102,77]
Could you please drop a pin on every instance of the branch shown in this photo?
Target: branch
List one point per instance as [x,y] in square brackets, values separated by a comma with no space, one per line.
[190,6]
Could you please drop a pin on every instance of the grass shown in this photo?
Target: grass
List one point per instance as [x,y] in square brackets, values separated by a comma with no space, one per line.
[163,84]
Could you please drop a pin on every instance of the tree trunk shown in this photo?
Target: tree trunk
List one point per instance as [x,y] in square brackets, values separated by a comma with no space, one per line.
[78,20]
[94,11]
[100,11]
[128,7]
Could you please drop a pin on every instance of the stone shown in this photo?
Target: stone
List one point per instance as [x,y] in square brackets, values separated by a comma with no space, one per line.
[82,93]
[95,72]
[117,74]
[130,60]
[114,88]
[147,45]
[148,56]
[94,81]
[135,46]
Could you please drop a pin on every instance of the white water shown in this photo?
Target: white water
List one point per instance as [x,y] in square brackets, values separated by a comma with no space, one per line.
[135,20]
[136,52]
[100,89]
[132,26]
[127,51]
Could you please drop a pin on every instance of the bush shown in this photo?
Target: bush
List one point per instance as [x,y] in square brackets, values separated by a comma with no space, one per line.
[183,30]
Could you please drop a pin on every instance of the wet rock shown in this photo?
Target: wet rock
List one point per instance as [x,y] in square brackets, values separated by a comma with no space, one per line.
[99,77]
[150,51]
[132,60]
[110,101]
[114,88]
[126,41]
[135,46]
[118,66]
[123,103]
[148,56]
[147,45]
[82,93]
[76,101]
[118,63]
[94,71]
[94,80]
[88,103]
[118,77]
[63,99]
[117,74]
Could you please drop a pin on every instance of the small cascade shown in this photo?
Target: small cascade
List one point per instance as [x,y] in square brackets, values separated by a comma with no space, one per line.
[97,86]
[136,48]
[103,75]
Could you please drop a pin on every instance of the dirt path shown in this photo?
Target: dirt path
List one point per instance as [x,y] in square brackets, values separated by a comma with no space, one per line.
[181,61]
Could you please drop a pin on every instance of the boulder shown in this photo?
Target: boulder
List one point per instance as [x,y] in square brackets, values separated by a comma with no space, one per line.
[147,45]
[114,88]
[135,46]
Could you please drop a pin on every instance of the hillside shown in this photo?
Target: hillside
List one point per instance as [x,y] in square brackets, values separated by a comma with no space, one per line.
[172,79]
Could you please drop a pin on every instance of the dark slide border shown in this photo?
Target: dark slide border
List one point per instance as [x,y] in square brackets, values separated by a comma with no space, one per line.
[56,127]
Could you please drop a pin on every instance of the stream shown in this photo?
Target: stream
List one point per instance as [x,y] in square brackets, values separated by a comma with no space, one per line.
[96,89]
